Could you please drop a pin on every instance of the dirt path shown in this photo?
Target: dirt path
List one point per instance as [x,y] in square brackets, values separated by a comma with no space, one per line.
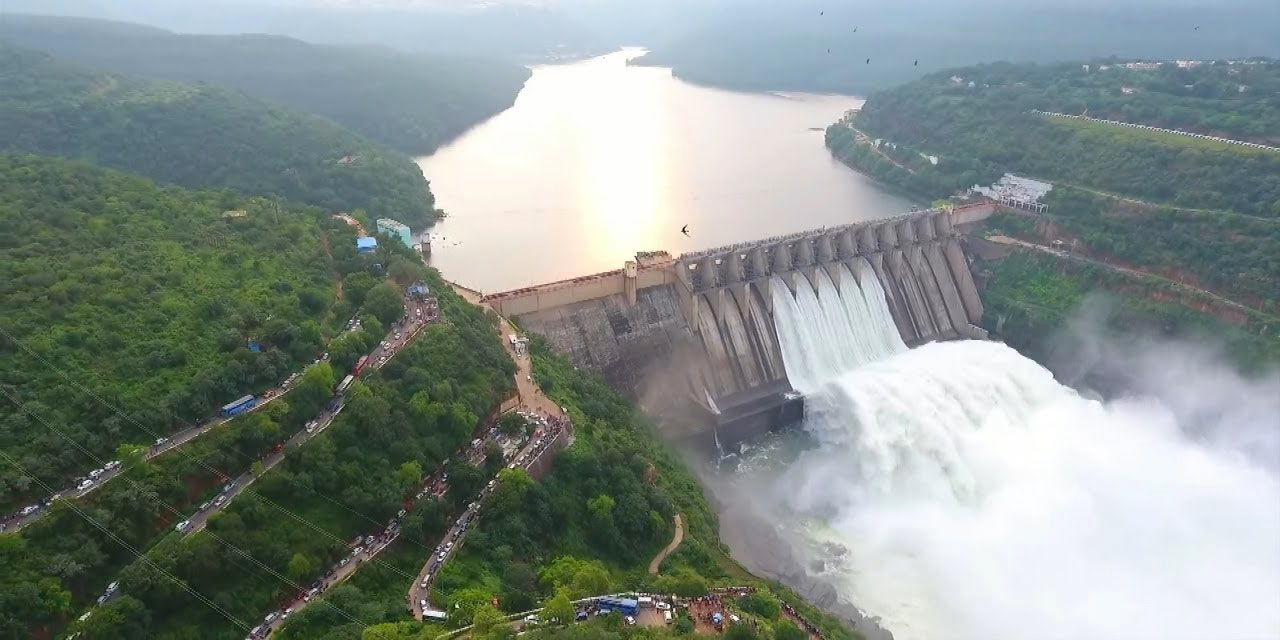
[531,396]
[675,542]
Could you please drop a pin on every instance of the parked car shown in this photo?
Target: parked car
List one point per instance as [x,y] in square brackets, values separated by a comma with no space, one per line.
[161,441]
[183,526]
[29,509]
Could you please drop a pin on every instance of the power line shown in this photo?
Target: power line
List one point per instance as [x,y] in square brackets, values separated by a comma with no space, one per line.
[181,583]
[167,506]
[206,466]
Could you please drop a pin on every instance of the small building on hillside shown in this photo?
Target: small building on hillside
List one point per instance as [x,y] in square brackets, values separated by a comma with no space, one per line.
[367,244]
[1016,191]
[397,229]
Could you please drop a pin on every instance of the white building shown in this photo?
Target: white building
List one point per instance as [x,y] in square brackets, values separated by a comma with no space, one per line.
[1016,191]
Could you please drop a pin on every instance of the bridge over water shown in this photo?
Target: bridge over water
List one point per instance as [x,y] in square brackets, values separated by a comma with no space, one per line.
[700,330]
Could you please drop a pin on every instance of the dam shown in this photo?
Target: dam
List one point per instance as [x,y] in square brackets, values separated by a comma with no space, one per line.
[712,331]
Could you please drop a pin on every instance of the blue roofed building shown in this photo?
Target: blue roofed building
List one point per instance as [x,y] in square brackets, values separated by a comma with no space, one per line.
[366,244]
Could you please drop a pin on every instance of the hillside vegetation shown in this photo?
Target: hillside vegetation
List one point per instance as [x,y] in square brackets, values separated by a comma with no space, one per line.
[1165,204]
[198,136]
[149,297]
[413,103]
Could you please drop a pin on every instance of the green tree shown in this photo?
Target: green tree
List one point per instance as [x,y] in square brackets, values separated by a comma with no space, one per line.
[384,302]
[409,475]
[485,619]
[124,617]
[761,603]
[559,609]
[590,580]
[787,630]
[300,566]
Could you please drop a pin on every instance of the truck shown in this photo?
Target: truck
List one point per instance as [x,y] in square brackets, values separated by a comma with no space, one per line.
[355,371]
[346,384]
[237,407]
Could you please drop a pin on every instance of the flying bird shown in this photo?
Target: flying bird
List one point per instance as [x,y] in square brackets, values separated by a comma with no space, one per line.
[1197,28]
[685,230]
[916,63]
[855,29]
[868,60]
[821,13]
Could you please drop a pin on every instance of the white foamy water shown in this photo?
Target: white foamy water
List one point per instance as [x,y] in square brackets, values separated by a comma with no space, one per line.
[960,492]
[834,330]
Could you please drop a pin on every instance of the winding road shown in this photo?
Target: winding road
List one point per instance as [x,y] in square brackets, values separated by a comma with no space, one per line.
[676,539]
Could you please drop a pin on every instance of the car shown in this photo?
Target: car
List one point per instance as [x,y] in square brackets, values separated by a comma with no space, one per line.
[286,613]
[255,631]
[270,617]
[96,472]
[325,356]
[217,502]
[85,484]
[440,557]
[397,336]
[344,561]
[161,441]
[111,588]
[663,606]
[204,506]
[113,464]
[229,486]
[400,513]
[85,616]
[448,546]
[183,526]
[422,603]
[630,620]
[101,599]
[28,510]
[531,618]
[357,551]
[491,483]
[425,582]
[311,426]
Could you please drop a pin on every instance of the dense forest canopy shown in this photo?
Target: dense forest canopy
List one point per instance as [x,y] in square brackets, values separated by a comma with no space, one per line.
[148,296]
[1170,204]
[198,136]
[412,103]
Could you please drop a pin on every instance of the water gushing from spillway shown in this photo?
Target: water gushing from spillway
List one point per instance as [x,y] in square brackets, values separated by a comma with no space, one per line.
[834,330]
[958,491]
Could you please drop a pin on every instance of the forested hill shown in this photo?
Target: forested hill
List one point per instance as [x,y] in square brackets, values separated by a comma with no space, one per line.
[149,296]
[198,136]
[413,103]
[1190,209]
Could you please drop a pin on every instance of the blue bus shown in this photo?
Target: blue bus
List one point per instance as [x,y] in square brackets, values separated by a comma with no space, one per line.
[626,606]
[237,407]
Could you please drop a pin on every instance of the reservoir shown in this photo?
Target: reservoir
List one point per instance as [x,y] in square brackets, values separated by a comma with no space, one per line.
[597,160]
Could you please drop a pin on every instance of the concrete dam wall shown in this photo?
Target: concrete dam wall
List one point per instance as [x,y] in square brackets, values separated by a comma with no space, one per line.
[699,330]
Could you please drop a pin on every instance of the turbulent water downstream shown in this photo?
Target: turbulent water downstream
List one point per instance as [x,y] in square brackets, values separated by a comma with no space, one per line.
[956,490]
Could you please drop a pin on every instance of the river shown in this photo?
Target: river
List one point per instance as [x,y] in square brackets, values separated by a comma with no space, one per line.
[597,160]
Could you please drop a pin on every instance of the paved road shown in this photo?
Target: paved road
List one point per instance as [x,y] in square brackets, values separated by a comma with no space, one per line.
[525,457]
[417,313]
[397,338]
[676,539]
[16,522]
